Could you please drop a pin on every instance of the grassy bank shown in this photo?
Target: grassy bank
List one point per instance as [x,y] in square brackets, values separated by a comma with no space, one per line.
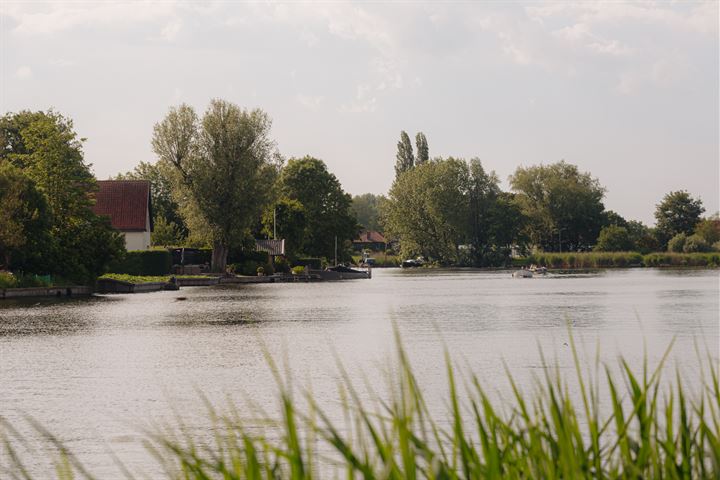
[620,259]
[145,278]
[652,430]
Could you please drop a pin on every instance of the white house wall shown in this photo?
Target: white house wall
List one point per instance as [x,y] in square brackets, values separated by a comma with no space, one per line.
[137,240]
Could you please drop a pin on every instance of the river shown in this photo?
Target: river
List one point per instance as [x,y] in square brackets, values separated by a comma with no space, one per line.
[94,371]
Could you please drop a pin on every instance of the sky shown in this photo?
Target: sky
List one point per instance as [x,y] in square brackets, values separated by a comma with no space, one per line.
[626,91]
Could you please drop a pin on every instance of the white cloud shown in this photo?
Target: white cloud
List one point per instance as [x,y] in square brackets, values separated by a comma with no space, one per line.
[23,72]
[364,101]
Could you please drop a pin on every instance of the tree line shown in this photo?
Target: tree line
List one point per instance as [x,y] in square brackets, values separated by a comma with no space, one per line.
[453,211]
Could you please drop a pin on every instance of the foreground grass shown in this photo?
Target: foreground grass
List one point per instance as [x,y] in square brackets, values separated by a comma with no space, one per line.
[652,430]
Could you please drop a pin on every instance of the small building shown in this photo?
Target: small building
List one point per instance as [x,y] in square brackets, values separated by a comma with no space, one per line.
[274,248]
[127,203]
[370,240]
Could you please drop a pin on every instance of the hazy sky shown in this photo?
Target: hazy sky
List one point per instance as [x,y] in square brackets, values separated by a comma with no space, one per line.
[627,91]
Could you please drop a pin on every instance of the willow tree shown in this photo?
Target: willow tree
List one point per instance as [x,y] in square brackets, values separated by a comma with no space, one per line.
[223,167]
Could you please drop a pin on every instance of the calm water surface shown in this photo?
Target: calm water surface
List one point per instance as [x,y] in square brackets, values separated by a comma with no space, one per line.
[94,371]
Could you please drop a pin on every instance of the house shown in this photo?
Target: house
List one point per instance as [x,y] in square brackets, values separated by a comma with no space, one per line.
[370,240]
[274,248]
[127,203]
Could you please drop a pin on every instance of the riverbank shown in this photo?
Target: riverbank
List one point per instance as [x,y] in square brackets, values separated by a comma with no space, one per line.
[569,261]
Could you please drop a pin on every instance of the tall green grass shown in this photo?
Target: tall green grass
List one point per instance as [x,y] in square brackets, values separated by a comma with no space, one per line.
[572,260]
[647,429]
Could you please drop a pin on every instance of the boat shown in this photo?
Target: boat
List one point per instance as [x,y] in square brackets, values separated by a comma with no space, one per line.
[538,270]
[341,272]
[413,262]
[522,274]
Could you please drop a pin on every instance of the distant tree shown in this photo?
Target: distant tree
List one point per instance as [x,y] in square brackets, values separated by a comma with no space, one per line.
[222,166]
[678,212]
[643,237]
[614,239]
[695,243]
[709,229]
[677,243]
[367,210]
[44,146]
[423,153]
[327,207]
[287,218]
[405,160]
[170,228]
[614,218]
[563,205]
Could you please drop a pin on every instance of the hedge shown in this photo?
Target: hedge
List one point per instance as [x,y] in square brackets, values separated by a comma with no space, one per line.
[143,263]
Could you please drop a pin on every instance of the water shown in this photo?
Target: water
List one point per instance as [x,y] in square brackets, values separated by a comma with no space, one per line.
[94,371]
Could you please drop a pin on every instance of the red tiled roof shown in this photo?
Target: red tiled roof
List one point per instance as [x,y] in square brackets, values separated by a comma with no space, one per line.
[126,202]
[370,236]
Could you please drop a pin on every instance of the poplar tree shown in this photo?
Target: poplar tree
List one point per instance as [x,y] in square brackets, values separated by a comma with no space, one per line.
[405,158]
[422,149]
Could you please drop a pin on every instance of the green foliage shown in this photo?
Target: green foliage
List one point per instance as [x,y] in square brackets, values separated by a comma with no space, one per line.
[367,210]
[586,259]
[682,259]
[7,280]
[614,239]
[314,263]
[327,207]
[298,269]
[677,243]
[143,263]
[404,158]
[563,205]
[223,167]
[288,219]
[709,229]
[696,243]
[677,213]
[123,277]
[622,424]
[166,233]
[423,152]
[64,237]
[281,265]
[250,268]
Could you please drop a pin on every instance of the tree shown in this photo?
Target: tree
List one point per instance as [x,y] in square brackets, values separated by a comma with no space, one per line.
[644,238]
[367,210]
[614,218]
[223,166]
[709,229]
[427,210]
[677,243]
[677,213]
[327,207]
[484,190]
[405,160]
[563,205]
[696,243]
[77,244]
[288,220]
[423,154]
[169,226]
[614,239]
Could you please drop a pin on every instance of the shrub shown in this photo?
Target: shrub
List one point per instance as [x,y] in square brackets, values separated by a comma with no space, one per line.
[314,263]
[614,239]
[7,280]
[695,243]
[143,263]
[281,265]
[677,243]
[250,268]
[298,270]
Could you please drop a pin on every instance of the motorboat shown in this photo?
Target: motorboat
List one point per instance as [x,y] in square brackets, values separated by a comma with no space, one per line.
[522,274]
[538,270]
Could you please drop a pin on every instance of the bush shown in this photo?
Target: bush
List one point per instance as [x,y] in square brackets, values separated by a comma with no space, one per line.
[682,259]
[314,263]
[614,239]
[250,268]
[7,280]
[677,243]
[281,265]
[696,243]
[143,263]
[298,270]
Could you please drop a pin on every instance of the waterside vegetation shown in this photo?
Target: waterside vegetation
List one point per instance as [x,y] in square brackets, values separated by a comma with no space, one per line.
[619,424]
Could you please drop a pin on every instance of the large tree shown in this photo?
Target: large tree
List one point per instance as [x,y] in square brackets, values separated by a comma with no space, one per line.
[404,158]
[286,219]
[327,207]
[563,205]
[678,212]
[427,210]
[44,146]
[223,165]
